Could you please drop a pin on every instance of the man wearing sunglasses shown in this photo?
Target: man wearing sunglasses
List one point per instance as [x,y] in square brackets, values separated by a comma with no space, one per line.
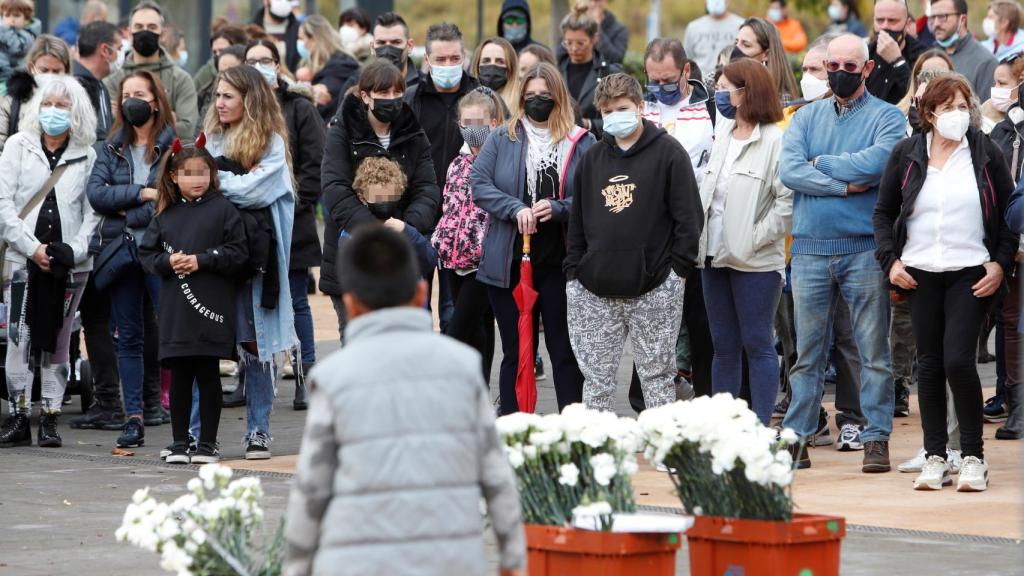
[892,50]
[833,156]
[949,24]
[515,24]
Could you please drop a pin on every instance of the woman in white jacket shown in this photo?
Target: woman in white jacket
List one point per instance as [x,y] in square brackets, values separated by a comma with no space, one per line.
[45,225]
[747,214]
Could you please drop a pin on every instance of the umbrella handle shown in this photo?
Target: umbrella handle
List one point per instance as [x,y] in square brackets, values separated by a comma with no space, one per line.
[526,244]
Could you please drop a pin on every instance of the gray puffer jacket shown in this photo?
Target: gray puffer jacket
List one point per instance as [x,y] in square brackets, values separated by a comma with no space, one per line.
[398,450]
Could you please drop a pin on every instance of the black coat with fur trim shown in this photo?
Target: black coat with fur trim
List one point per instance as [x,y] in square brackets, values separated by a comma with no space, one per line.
[20,88]
[350,140]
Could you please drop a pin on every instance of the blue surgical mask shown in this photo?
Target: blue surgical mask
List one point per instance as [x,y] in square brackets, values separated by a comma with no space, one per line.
[303,50]
[446,77]
[949,41]
[724,103]
[667,93]
[269,73]
[621,124]
[182,58]
[54,121]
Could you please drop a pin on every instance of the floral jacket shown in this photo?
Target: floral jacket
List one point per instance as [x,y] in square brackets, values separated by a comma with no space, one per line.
[459,235]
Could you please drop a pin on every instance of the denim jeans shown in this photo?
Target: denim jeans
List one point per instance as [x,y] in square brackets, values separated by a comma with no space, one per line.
[259,376]
[741,309]
[298,280]
[128,309]
[818,282]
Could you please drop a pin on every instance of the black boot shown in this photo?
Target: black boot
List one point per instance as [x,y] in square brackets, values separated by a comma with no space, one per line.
[300,402]
[100,417]
[48,435]
[16,431]
[1013,429]
[236,398]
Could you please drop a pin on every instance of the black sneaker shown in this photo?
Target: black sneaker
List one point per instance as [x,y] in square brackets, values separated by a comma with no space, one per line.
[156,416]
[901,407]
[538,369]
[257,446]
[995,409]
[178,454]
[801,460]
[99,418]
[208,453]
[781,407]
[48,435]
[823,435]
[134,434]
[165,452]
[16,431]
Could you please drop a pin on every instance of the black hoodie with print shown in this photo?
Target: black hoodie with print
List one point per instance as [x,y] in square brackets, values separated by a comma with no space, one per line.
[636,214]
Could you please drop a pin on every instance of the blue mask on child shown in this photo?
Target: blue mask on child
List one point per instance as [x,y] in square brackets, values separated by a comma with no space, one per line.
[724,104]
[54,121]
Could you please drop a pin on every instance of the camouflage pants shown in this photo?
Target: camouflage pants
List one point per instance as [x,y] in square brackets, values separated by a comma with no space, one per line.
[901,341]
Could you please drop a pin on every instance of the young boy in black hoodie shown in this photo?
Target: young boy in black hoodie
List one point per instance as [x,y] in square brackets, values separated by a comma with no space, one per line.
[633,234]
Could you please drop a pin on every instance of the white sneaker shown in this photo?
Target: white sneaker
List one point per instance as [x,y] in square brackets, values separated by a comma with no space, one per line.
[228,368]
[849,438]
[973,475]
[934,475]
[915,464]
[955,459]
[663,468]
[288,371]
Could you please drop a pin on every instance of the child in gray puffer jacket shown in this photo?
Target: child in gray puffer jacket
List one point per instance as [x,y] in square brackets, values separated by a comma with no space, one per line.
[400,446]
[17,32]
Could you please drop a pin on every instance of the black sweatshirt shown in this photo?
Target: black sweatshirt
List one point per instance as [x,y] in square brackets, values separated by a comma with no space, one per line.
[197,311]
[636,214]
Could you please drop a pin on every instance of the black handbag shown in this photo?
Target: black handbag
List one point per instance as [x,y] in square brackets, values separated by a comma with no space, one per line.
[114,260]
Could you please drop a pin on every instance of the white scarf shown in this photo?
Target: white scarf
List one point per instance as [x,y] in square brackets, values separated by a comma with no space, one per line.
[541,154]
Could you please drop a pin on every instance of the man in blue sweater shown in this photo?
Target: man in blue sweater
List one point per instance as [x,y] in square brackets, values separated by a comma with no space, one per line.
[833,156]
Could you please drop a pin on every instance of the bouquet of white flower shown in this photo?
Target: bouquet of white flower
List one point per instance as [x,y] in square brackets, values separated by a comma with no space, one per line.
[722,460]
[577,463]
[209,531]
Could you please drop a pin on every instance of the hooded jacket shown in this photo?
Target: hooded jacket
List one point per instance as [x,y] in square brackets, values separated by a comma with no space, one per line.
[601,68]
[291,38]
[181,91]
[306,135]
[350,140]
[635,216]
[903,179]
[197,311]
[340,70]
[112,191]
[693,127]
[524,6]
[439,118]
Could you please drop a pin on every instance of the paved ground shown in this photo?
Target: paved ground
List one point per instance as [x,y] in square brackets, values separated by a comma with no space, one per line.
[60,507]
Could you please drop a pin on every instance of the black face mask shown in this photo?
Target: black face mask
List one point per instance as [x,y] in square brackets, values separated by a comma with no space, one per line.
[383,210]
[897,36]
[844,83]
[736,53]
[146,43]
[493,76]
[539,108]
[386,109]
[393,54]
[136,112]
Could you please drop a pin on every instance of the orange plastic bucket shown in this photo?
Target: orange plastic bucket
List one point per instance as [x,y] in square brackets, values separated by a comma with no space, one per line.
[558,551]
[806,546]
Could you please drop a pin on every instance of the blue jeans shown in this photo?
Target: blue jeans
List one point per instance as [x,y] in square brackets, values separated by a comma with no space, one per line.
[298,280]
[741,310]
[818,282]
[127,309]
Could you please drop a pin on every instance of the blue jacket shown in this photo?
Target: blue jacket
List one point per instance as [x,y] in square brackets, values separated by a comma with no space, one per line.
[1015,210]
[499,188]
[111,191]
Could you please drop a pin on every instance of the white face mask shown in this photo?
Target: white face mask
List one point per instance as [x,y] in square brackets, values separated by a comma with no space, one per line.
[715,7]
[775,14]
[349,34]
[281,8]
[988,25]
[813,88]
[1002,98]
[953,125]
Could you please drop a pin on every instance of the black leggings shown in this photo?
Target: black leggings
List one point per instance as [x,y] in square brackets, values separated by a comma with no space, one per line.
[205,371]
[472,321]
[947,318]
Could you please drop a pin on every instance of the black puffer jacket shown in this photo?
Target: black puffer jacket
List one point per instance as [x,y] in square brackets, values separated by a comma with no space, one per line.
[338,73]
[350,140]
[306,134]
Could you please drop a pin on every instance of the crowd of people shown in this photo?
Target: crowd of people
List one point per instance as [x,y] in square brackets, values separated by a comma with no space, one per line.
[716,212]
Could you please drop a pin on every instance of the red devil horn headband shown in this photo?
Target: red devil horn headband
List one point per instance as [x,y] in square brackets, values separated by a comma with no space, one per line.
[200,143]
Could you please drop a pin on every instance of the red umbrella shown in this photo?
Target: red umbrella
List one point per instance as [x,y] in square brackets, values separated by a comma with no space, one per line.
[525,297]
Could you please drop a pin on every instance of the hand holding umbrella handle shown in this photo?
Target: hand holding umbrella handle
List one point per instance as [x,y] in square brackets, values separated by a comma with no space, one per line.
[526,244]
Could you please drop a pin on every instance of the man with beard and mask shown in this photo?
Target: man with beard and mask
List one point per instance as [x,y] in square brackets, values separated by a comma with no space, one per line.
[949,24]
[833,156]
[515,24]
[708,35]
[146,25]
[277,18]
[893,51]
[391,42]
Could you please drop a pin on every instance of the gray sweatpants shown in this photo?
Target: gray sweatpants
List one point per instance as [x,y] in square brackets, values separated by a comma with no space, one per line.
[598,328]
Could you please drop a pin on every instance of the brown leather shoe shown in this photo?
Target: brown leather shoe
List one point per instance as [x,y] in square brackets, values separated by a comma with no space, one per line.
[876,457]
[800,457]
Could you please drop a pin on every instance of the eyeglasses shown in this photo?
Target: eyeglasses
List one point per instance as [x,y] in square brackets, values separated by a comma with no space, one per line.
[570,44]
[851,67]
[936,18]
[263,61]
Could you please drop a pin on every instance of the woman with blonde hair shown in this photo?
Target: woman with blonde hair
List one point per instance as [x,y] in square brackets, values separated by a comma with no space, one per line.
[48,55]
[248,137]
[496,64]
[523,179]
[326,63]
[759,40]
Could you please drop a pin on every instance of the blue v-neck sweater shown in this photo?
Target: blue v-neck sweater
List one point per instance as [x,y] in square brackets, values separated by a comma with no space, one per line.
[850,149]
